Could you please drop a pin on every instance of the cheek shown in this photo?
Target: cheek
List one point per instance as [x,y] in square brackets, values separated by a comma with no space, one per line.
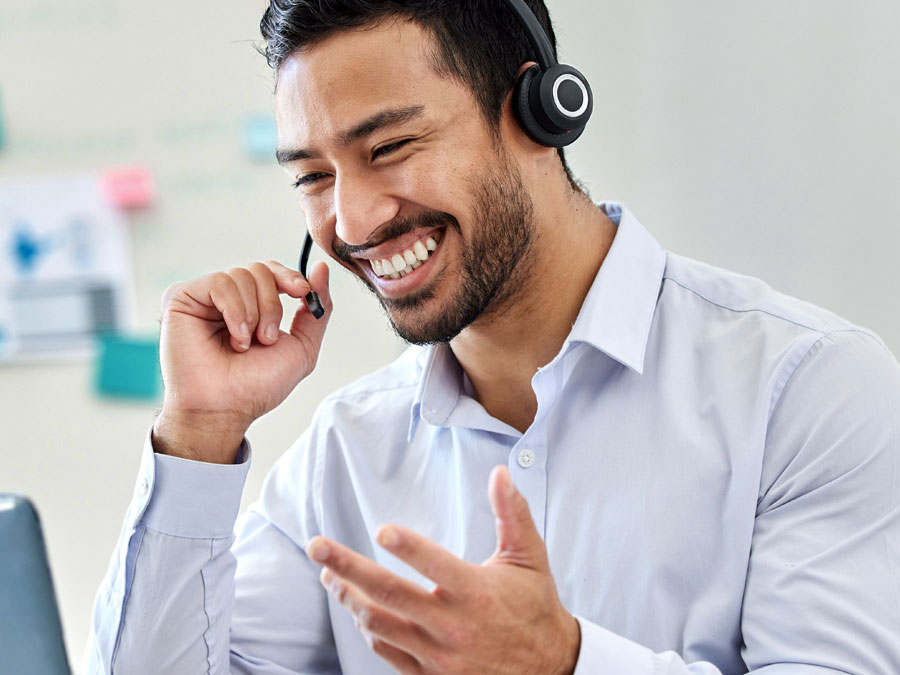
[429,183]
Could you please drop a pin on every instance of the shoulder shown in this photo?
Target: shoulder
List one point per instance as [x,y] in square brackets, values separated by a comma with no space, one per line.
[762,337]
[378,395]
[734,293]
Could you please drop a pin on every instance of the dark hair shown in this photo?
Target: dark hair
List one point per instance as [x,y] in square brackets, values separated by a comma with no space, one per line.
[480,42]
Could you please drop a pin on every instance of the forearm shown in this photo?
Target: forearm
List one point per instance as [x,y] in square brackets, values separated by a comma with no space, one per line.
[166,599]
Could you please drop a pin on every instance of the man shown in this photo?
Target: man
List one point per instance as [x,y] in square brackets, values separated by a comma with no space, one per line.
[699,475]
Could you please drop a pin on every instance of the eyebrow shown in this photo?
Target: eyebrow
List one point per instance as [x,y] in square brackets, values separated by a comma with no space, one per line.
[378,121]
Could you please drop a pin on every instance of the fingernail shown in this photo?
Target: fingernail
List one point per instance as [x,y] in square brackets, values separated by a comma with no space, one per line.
[272,332]
[245,330]
[389,537]
[319,552]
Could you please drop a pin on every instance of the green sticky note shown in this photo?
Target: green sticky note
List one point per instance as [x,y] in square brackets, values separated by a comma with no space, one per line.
[128,367]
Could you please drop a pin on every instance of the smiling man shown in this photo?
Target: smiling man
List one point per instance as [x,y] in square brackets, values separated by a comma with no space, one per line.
[597,456]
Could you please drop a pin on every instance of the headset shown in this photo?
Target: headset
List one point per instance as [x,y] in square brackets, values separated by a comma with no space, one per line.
[552,103]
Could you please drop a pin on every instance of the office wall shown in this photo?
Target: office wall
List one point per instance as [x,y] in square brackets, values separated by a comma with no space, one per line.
[760,137]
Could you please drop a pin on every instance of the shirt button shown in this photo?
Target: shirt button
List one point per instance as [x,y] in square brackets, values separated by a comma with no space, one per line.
[525,458]
[145,487]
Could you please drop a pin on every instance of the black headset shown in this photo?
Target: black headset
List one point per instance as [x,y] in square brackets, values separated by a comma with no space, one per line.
[551,101]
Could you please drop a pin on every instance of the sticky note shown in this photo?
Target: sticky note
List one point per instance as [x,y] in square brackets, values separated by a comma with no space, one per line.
[259,137]
[128,187]
[128,367]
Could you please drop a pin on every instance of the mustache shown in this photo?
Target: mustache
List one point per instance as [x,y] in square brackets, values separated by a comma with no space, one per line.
[396,228]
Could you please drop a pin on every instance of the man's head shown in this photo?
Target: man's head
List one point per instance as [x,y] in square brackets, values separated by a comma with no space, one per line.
[393,119]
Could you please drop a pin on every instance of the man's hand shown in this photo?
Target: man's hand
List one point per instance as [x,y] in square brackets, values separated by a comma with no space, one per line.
[224,360]
[503,616]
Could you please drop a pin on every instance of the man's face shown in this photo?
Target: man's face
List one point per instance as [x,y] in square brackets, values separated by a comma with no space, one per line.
[401,179]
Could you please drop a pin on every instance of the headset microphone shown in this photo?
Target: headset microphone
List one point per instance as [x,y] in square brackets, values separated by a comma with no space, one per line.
[312,298]
[552,102]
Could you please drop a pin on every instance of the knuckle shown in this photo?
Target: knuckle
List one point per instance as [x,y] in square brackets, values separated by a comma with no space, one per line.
[443,662]
[258,267]
[369,620]
[221,281]
[240,274]
[377,645]
[387,592]
[171,292]
[340,591]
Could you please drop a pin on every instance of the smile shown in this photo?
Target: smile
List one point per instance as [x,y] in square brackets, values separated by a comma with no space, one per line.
[401,264]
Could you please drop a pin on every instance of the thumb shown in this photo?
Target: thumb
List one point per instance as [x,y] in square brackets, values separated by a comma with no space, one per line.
[304,323]
[518,540]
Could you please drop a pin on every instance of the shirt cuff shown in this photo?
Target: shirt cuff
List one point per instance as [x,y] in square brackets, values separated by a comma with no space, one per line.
[192,499]
[605,652]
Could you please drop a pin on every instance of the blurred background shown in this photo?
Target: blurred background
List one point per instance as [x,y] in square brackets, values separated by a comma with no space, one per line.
[759,137]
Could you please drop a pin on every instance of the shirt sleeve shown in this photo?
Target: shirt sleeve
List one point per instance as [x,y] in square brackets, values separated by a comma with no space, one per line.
[183,594]
[822,595]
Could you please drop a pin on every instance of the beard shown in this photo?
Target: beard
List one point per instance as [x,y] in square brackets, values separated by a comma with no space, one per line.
[492,266]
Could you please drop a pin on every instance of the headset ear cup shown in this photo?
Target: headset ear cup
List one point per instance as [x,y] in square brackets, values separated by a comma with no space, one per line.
[521,101]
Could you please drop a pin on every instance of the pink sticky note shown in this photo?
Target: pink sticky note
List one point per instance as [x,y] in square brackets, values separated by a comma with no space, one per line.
[128,187]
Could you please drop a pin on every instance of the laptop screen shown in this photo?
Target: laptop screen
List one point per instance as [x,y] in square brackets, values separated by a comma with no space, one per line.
[31,639]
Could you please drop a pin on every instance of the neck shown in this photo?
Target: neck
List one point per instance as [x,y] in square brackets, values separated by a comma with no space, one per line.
[503,349]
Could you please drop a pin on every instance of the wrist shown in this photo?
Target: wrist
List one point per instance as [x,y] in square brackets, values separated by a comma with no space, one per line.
[572,642]
[198,436]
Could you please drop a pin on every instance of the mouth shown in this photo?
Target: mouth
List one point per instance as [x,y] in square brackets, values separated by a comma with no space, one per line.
[398,270]
[404,262]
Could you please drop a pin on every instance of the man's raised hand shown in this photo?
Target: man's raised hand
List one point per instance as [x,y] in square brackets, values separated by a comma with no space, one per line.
[224,360]
[503,616]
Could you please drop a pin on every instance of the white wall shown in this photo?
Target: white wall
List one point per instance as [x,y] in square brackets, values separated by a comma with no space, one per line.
[761,137]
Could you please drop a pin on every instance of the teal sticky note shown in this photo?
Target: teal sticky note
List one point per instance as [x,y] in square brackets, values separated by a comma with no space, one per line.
[128,367]
[259,137]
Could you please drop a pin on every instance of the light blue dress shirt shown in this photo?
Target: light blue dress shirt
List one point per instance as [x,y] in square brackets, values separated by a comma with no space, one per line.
[714,467]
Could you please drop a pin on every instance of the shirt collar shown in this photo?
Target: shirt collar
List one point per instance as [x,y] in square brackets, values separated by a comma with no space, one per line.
[615,317]
[618,309]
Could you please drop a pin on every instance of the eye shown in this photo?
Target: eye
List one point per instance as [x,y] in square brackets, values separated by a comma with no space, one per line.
[389,148]
[309,179]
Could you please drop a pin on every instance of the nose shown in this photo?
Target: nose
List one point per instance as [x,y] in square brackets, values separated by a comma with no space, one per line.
[362,203]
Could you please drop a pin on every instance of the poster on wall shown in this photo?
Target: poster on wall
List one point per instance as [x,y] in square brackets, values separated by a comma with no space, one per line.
[65,270]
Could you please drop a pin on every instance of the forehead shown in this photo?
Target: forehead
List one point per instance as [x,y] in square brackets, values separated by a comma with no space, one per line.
[352,74]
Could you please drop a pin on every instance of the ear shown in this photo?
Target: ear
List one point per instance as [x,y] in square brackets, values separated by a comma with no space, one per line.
[514,135]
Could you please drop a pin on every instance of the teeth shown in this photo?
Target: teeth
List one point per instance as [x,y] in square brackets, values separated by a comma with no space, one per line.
[401,264]
[420,251]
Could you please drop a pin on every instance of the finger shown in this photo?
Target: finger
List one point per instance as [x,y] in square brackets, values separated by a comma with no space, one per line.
[246,286]
[287,279]
[268,303]
[400,660]
[453,575]
[219,291]
[374,621]
[305,326]
[381,585]
[518,540]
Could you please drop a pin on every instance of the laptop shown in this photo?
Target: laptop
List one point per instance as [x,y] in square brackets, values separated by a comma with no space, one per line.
[31,639]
